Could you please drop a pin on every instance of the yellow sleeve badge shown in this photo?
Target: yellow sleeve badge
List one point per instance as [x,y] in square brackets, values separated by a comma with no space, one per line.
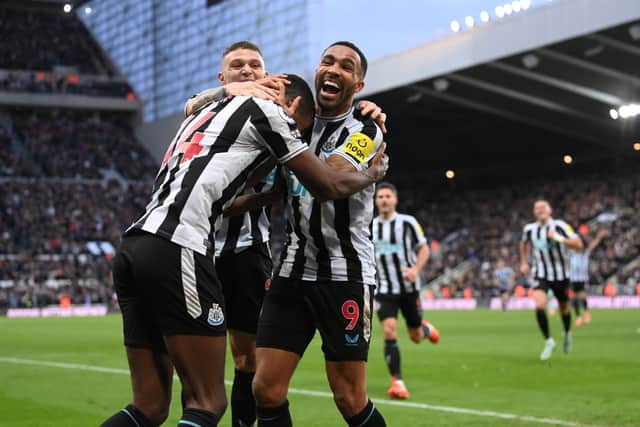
[359,146]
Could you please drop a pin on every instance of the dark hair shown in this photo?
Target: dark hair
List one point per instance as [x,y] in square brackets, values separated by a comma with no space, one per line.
[363,59]
[389,186]
[299,87]
[244,44]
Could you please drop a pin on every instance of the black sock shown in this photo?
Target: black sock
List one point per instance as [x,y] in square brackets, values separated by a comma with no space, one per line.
[584,304]
[577,304]
[274,417]
[243,405]
[543,322]
[368,417]
[128,417]
[392,357]
[566,321]
[198,417]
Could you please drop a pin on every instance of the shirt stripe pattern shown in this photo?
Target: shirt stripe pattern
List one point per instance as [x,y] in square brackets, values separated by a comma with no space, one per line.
[579,266]
[207,165]
[396,240]
[331,240]
[550,258]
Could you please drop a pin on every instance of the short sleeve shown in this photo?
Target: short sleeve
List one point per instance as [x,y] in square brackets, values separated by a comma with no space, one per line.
[526,234]
[277,130]
[361,145]
[565,230]
[416,232]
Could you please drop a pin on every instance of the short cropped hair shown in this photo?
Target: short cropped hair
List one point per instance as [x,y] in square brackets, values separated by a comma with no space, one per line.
[243,44]
[299,87]
[386,185]
[363,59]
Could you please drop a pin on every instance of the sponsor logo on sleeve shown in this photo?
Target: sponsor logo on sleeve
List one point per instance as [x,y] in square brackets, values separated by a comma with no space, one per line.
[359,146]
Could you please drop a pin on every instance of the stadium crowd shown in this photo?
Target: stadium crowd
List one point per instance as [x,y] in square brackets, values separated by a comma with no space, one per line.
[75,144]
[486,225]
[41,40]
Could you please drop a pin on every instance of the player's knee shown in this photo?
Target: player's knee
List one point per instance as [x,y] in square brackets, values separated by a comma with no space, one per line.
[390,331]
[157,411]
[348,403]
[245,362]
[268,395]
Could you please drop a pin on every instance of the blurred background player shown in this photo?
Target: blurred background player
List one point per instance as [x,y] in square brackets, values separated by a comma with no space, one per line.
[505,279]
[401,254]
[579,276]
[547,240]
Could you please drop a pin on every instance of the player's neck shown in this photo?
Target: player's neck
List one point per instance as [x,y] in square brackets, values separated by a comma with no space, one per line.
[545,222]
[387,215]
[335,112]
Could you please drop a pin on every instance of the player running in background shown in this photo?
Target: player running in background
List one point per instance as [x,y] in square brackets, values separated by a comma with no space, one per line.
[170,298]
[326,277]
[243,257]
[579,275]
[401,253]
[505,279]
[547,241]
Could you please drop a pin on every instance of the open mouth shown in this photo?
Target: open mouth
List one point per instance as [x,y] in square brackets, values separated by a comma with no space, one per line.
[330,89]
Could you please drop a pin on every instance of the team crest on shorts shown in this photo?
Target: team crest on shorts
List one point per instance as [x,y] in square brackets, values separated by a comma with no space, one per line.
[216,316]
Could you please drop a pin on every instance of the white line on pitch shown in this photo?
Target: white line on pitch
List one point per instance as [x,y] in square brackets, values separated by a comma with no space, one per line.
[304,392]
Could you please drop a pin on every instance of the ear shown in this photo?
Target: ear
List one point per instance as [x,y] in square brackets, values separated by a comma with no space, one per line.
[221,77]
[359,86]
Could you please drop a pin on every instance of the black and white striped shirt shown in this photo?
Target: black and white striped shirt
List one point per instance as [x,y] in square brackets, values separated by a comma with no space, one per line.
[331,240]
[579,270]
[551,259]
[397,240]
[207,164]
[240,232]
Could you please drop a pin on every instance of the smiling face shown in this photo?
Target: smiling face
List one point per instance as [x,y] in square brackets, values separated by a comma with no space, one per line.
[338,79]
[242,65]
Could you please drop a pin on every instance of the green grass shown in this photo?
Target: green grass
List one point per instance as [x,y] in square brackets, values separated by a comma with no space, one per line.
[485,361]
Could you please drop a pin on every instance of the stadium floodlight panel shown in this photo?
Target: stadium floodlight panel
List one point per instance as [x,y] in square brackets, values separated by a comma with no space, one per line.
[500,12]
[629,110]
[484,16]
[636,146]
[614,114]
[508,9]
[469,21]
[67,7]
[525,4]
[455,26]
[515,5]
[567,159]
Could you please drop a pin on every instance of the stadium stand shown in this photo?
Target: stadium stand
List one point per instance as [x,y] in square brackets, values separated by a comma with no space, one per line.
[472,225]
[71,179]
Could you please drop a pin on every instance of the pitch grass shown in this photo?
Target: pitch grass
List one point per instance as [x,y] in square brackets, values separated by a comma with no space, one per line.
[485,361]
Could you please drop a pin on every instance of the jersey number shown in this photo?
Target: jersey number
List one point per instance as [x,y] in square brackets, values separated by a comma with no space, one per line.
[351,312]
[188,142]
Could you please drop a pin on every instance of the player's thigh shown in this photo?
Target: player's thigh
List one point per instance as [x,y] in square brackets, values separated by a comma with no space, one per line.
[285,322]
[151,380]
[274,370]
[540,294]
[243,350]
[343,315]
[561,291]
[348,382]
[199,362]
[411,308]
[131,283]
[249,274]
[388,315]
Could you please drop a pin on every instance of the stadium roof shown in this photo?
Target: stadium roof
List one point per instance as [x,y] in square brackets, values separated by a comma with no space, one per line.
[529,86]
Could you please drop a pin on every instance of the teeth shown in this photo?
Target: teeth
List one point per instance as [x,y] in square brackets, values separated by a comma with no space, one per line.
[331,84]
